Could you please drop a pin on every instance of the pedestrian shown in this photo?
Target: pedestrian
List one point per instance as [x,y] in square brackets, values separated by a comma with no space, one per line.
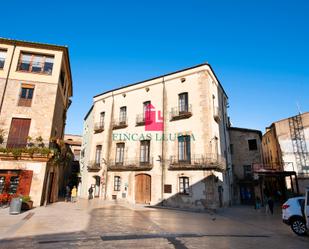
[90,191]
[67,193]
[270,203]
[258,203]
[74,194]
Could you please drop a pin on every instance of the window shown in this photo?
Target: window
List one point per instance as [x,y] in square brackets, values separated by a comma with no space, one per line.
[76,155]
[247,171]
[184,150]
[2,58]
[144,152]
[123,115]
[252,144]
[117,183]
[36,63]
[232,148]
[98,154]
[146,110]
[26,95]
[102,115]
[184,185]
[119,153]
[2,184]
[14,181]
[18,134]
[183,102]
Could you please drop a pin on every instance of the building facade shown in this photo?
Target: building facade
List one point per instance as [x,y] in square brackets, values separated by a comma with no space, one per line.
[286,152]
[162,141]
[35,91]
[246,151]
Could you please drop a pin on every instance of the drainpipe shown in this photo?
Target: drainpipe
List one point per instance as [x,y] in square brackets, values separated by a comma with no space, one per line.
[7,78]
[162,161]
[109,143]
[226,149]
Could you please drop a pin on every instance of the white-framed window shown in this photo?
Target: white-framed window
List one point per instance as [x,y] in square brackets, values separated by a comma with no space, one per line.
[123,115]
[98,154]
[117,183]
[184,185]
[119,153]
[2,58]
[184,148]
[144,151]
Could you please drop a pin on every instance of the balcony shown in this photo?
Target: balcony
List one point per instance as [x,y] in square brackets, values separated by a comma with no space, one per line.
[26,150]
[184,113]
[272,167]
[130,165]
[208,161]
[142,120]
[98,127]
[94,166]
[120,124]
[217,114]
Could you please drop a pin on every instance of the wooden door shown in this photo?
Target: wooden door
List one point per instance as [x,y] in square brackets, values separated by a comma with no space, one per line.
[18,133]
[143,189]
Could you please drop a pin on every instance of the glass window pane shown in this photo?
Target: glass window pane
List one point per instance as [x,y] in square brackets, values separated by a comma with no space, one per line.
[23,93]
[30,93]
[2,183]
[2,58]
[13,184]
[25,62]
[37,63]
[48,65]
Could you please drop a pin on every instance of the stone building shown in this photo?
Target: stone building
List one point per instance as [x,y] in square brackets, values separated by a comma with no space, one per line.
[162,141]
[246,150]
[285,148]
[35,91]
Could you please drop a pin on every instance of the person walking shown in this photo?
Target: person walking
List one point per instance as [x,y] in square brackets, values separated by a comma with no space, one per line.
[270,203]
[90,192]
[74,194]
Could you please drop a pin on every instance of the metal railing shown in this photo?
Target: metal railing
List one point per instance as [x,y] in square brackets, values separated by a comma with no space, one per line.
[141,119]
[178,113]
[130,164]
[120,123]
[98,127]
[208,161]
[94,166]
[22,143]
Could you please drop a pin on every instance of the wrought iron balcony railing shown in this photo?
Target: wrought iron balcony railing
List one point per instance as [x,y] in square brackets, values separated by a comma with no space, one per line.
[121,123]
[142,119]
[181,113]
[98,127]
[209,161]
[130,165]
[94,166]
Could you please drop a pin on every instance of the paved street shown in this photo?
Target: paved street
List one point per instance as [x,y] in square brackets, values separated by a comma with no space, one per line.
[100,224]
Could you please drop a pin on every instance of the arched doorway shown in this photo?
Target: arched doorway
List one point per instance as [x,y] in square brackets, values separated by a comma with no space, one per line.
[143,189]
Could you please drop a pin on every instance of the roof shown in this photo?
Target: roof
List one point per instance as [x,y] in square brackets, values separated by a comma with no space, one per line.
[246,130]
[88,112]
[164,75]
[63,48]
[284,119]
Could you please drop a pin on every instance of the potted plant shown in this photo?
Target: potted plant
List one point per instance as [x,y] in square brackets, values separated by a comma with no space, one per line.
[4,199]
[27,203]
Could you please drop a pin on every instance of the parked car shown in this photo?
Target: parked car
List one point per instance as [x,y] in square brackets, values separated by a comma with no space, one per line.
[295,213]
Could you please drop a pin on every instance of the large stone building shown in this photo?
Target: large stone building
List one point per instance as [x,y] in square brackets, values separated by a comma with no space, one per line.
[162,141]
[246,151]
[35,91]
[286,154]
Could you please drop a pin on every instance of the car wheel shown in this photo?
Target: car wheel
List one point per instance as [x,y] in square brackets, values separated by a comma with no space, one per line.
[299,227]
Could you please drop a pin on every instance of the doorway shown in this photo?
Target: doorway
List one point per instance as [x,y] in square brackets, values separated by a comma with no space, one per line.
[143,189]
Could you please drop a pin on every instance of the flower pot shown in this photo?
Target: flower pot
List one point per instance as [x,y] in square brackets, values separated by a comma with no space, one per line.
[27,205]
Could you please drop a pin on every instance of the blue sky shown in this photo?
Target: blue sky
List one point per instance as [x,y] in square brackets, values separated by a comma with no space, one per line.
[258,49]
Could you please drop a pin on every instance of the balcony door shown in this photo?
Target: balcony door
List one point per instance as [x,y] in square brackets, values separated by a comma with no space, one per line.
[18,133]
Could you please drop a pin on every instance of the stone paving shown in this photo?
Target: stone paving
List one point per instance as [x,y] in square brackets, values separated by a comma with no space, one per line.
[99,224]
